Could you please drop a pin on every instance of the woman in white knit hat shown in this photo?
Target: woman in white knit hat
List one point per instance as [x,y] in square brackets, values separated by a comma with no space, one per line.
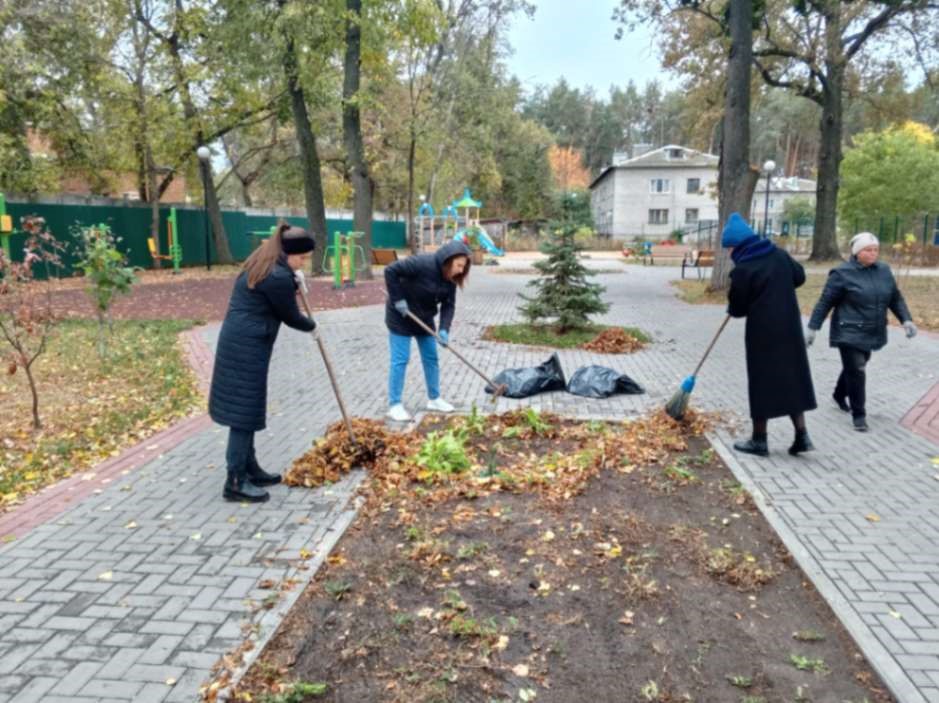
[860,291]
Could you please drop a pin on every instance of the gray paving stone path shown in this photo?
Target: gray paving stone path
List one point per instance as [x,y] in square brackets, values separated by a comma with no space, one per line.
[150,580]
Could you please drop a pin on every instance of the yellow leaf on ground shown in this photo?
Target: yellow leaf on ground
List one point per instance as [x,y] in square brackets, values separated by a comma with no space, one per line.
[871,517]
[520,670]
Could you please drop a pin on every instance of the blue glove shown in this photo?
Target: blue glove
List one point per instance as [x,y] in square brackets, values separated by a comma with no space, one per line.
[444,337]
[688,384]
[402,307]
[910,329]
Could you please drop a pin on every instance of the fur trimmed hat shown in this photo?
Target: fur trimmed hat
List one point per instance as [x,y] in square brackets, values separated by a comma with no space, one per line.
[296,240]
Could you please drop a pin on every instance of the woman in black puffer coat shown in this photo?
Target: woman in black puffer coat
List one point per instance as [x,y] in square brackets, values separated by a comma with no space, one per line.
[264,296]
[860,290]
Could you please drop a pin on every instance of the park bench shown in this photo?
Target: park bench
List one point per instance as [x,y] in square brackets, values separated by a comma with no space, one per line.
[666,254]
[699,259]
[383,257]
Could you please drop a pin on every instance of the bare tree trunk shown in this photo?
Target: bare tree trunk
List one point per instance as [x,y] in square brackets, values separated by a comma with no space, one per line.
[825,238]
[414,239]
[352,131]
[37,423]
[306,142]
[736,180]
[222,250]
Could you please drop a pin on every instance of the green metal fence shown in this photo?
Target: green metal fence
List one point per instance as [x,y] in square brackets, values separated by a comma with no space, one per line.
[132,224]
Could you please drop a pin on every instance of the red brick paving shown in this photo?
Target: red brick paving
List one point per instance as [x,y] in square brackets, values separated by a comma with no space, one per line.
[923,419]
[203,299]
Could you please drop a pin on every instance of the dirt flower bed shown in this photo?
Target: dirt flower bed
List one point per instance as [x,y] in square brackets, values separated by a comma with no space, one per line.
[523,557]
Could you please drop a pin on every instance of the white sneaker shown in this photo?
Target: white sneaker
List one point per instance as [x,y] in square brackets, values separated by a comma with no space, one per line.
[439,405]
[398,413]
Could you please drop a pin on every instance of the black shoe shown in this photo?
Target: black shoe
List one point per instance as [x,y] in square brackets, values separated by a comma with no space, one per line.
[759,447]
[240,490]
[860,424]
[842,403]
[260,477]
[801,443]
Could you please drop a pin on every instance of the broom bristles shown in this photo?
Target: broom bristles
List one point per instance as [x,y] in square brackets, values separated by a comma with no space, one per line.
[678,405]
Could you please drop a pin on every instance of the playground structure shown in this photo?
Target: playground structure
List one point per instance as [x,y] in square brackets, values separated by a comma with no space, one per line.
[433,230]
[175,253]
[339,259]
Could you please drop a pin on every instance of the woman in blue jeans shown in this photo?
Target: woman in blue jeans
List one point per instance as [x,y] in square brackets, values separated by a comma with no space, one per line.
[422,285]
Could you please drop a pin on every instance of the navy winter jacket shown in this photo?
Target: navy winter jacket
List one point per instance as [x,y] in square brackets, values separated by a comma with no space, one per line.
[238,396]
[419,280]
[861,296]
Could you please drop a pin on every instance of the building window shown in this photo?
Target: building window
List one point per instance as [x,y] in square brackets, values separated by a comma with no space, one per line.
[691,215]
[771,204]
[658,217]
[660,185]
[676,153]
[694,185]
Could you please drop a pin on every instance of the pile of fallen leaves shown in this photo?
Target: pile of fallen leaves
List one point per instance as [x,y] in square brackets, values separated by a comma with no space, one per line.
[335,454]
[614,340]
[567,454]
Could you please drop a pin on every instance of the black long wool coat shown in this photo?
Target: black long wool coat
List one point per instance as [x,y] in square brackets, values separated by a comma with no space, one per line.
[238,396]
[763,290]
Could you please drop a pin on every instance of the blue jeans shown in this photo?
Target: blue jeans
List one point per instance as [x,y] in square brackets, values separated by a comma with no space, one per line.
[400,346]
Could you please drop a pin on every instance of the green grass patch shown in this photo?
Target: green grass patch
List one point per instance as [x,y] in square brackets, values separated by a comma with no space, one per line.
[548,336]
[91,409]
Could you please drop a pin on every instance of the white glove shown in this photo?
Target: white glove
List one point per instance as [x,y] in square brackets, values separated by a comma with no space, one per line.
[301,281]
[910,329]
[809,337]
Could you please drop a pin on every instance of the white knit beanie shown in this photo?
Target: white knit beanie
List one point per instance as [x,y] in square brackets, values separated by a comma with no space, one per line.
[862,240]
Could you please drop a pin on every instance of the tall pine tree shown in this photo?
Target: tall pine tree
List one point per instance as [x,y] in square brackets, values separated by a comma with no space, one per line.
[562,292]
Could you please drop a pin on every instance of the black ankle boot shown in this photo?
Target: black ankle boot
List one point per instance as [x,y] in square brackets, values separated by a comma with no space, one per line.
[260,477]
[240,490]
[842,403]
[755,445]
[801,443]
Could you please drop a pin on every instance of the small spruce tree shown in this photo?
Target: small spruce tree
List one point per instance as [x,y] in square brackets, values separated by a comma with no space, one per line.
[562,292]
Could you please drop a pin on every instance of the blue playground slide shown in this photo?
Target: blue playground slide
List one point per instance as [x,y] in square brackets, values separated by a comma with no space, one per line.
[484,240]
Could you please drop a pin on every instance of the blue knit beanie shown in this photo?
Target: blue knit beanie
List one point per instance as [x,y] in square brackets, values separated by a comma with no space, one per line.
[735,231]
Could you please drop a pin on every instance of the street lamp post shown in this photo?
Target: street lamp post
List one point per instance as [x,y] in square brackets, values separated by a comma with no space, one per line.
[768,167]
[204,155]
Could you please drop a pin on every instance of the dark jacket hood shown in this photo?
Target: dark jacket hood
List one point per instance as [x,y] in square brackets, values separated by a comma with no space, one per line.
[449,250]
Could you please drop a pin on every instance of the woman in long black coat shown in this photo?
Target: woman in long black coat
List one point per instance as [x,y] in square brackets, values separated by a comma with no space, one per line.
[861,291]
[763,286]
[264,296]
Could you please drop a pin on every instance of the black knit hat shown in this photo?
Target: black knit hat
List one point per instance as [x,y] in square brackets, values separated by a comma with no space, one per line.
[296,240]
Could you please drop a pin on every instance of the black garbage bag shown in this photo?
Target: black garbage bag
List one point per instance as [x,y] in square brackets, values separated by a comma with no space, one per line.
[529,381]
[601,382]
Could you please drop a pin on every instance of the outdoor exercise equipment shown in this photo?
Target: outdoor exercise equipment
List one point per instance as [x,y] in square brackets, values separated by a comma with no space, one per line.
[344,257]
[175,249]
[6,227]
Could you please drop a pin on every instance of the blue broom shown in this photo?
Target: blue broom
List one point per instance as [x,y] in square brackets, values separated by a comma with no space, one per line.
[678,404]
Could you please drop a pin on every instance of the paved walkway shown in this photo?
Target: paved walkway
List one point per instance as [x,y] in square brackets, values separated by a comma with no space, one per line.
[133,593]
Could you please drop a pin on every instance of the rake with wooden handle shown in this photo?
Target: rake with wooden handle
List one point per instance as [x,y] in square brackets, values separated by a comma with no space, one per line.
[497,390]
[329,366]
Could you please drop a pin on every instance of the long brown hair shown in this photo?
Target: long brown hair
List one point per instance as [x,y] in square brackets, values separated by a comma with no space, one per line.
[460,278]
[258,266]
